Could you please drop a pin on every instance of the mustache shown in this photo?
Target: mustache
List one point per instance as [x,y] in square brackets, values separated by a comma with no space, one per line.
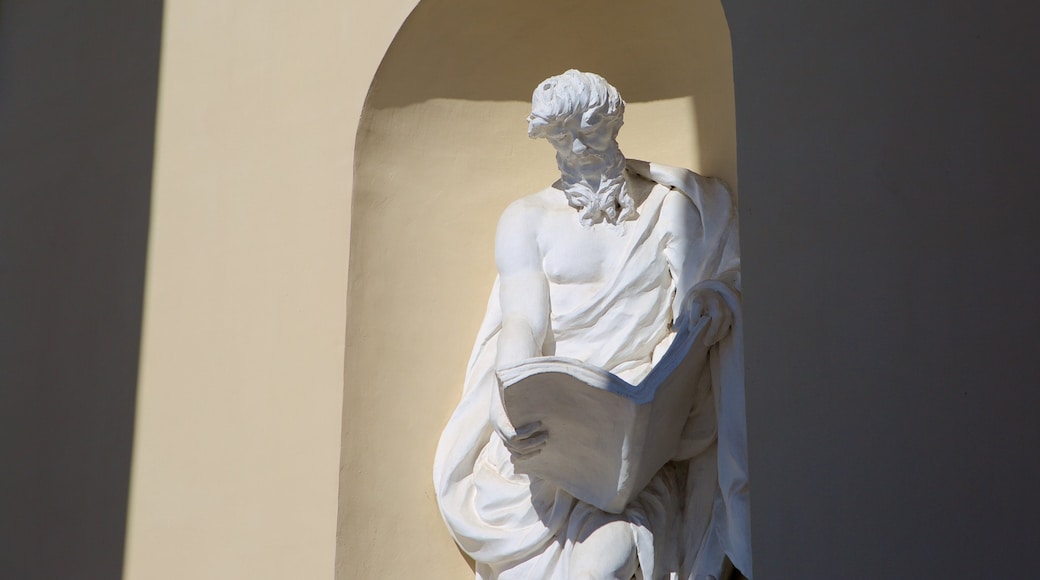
[590,165]
[587,155]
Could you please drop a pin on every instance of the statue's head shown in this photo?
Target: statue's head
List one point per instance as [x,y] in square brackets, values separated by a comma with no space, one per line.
[576,111]
[580,114]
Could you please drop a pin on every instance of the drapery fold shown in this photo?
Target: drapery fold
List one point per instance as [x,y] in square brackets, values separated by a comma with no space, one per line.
[694,511]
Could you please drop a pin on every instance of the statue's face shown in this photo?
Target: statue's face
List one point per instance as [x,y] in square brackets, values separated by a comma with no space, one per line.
[583,140]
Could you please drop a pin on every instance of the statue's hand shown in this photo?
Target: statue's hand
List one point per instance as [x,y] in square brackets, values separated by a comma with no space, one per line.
[524,441]
[709,302]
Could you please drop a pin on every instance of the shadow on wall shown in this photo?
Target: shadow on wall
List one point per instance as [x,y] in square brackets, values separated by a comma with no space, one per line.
[442,148]
[77,111]
[498,51]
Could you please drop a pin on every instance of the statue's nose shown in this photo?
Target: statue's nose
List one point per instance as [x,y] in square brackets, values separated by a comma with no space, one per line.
[578,147]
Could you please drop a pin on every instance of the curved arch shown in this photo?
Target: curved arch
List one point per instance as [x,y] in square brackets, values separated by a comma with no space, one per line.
[441,149]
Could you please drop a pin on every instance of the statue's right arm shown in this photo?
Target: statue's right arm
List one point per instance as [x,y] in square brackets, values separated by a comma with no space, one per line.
[524,297]
[523,287]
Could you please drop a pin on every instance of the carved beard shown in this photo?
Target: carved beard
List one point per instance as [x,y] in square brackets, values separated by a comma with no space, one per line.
[597,188]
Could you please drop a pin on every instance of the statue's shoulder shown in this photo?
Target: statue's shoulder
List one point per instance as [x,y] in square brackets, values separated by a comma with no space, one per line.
[707,193]
[525,213]
[536,204]
[685,180]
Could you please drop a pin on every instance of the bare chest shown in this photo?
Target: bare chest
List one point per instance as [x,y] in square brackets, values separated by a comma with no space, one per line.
[573,254]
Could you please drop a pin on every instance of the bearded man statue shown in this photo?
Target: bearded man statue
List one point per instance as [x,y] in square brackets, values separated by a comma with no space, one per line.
[598,267]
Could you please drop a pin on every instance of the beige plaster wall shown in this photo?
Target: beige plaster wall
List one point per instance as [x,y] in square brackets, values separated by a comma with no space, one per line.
[441,150]
[241,383]
[239,402]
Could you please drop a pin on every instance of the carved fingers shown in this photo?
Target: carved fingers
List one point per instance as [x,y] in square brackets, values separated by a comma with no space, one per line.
[708,302]
[721,319]
[527,441]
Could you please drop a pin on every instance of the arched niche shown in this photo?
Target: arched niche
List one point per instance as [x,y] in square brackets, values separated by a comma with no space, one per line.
[441,150]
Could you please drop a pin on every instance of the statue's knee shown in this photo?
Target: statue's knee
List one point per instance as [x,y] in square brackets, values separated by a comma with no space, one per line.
[608,553]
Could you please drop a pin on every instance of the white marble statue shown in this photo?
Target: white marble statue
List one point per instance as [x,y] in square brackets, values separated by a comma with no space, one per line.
[600,267]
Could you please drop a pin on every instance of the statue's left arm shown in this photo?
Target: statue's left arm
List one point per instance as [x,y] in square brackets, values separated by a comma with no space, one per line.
[686,253]
[704,255]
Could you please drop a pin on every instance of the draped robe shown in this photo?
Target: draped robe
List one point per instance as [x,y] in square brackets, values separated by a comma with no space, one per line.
[693,514]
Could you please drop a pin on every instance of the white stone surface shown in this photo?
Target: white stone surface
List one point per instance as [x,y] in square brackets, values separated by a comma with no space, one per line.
[574,400]
[598,268]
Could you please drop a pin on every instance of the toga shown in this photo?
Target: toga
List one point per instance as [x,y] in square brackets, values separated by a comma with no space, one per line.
[694,512]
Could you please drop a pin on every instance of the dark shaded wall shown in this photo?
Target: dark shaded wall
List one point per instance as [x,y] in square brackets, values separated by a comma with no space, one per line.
[78,86]
[891,238]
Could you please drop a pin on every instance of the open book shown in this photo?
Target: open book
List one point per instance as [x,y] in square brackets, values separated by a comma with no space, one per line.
[606,438]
